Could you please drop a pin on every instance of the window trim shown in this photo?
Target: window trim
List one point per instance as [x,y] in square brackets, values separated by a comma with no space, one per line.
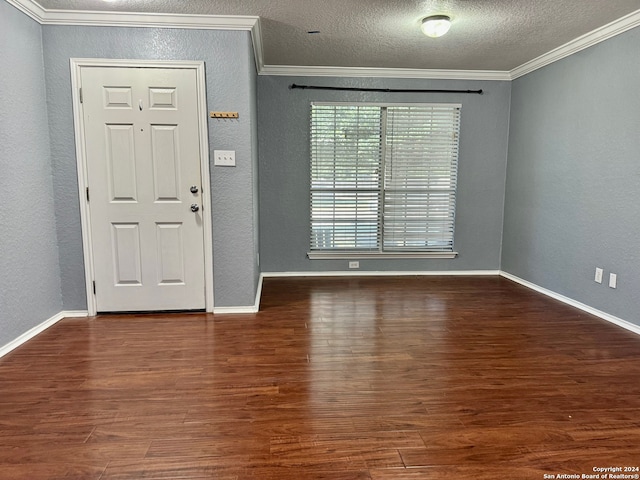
[361,254]
[380,253]
[383,104]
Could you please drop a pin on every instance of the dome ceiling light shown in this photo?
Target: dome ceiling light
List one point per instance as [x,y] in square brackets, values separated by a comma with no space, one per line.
[436,25]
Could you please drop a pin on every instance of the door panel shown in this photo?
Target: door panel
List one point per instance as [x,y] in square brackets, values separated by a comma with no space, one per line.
[125,254]
[142,144]
[166,162]
[117,97]
[162,98]
[121,163]
[170,253]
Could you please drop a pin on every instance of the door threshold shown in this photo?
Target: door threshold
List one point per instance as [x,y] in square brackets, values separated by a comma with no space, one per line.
[152,312]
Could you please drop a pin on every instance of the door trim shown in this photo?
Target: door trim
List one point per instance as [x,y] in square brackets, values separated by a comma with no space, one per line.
[85,215]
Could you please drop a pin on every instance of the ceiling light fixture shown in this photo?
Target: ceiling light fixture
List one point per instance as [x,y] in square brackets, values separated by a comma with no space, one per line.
[436,25]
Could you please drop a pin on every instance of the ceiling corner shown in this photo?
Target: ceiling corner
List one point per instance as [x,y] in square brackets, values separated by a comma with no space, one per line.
[29,8]
[258,48]
[587,40]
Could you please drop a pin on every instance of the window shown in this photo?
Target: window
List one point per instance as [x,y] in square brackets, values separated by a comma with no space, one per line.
[383,179]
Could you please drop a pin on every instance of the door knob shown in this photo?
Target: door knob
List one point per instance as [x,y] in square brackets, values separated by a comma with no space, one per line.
[193,189]
[194,207]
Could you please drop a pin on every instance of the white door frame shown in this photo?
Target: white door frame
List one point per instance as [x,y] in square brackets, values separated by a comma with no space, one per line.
[81,157]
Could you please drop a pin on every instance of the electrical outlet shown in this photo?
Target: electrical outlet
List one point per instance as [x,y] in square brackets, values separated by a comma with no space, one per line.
[598,277]
[354,264]
[224,158]
[613,280]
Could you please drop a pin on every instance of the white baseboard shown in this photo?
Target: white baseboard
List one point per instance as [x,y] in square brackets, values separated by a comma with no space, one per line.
[248,309]
[361,273]
[28,335]
[355,273]
[259,293]
[632,327]
[234,310]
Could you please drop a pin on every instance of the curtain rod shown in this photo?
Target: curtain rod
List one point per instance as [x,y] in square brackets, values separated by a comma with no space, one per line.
[362,89]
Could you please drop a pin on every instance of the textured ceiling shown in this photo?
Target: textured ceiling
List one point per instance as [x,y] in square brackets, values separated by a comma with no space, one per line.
[485,34]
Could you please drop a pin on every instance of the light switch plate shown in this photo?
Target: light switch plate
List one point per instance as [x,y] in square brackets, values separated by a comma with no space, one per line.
[224,158]
[598,276]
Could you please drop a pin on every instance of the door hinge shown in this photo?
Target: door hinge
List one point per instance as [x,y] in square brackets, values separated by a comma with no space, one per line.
[94,287]
[87,194]
[81,99]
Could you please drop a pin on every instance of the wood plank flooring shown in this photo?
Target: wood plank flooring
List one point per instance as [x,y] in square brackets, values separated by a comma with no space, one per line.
[334,379]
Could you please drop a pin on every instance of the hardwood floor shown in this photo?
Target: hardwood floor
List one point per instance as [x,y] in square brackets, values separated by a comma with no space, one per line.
[335,379]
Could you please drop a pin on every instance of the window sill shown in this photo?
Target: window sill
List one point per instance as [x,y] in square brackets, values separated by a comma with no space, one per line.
[325,255]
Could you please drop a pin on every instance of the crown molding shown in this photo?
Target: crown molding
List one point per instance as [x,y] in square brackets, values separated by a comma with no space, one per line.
[256,41]
[587,40]
[29,8]
[318,71]
[252,24]
[135,19]
[149,20]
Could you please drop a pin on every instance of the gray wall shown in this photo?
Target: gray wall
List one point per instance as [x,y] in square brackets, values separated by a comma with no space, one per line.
[283,115]
[573,181]
[230,83]
[573,177]
[30,274]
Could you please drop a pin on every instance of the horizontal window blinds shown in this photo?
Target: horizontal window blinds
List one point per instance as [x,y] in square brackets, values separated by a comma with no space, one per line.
[345,177]
[383,178]
[420,174]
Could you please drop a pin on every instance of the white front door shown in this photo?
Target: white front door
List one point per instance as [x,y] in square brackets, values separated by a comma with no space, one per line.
[142,148]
